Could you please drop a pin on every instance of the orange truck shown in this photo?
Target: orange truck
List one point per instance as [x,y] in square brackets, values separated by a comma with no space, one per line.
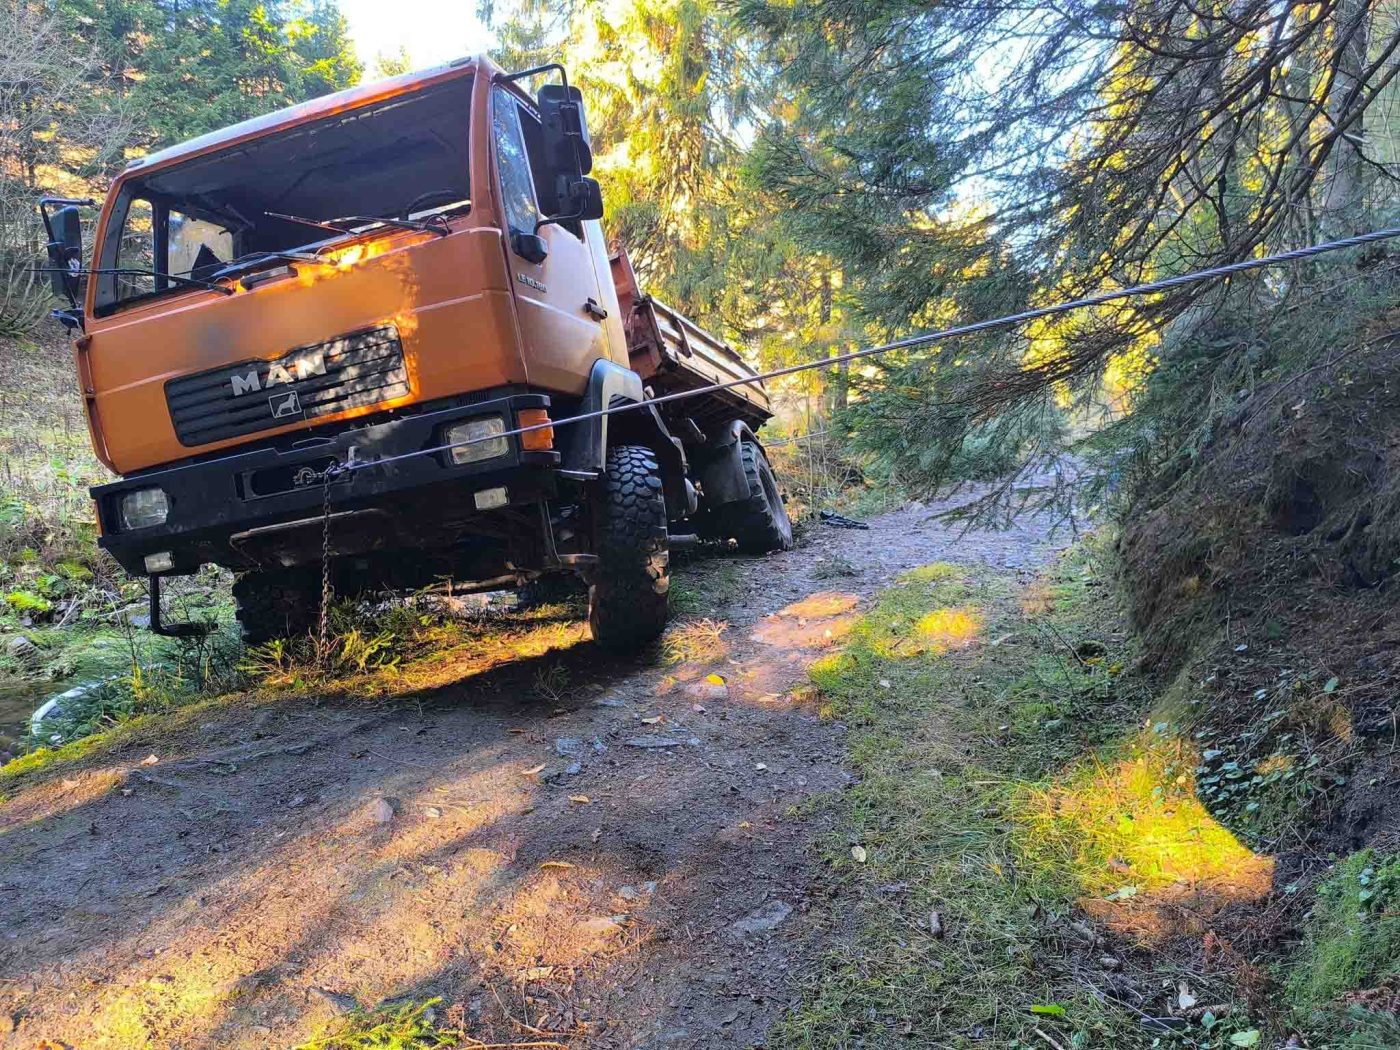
[338,336]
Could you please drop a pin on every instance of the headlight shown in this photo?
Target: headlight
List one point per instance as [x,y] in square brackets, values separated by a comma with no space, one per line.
[484,435]
[143,508]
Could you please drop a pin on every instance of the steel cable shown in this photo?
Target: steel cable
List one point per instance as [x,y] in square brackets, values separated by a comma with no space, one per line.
[924,339]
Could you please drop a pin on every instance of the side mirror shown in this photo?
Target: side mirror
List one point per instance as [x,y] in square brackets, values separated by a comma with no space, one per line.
[586,197]
[66,252]
[566,146]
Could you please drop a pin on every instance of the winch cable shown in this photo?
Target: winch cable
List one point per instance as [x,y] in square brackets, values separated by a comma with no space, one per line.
[337,470]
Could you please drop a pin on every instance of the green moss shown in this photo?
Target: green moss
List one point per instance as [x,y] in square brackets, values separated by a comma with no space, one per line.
[1352,939]
[45,757]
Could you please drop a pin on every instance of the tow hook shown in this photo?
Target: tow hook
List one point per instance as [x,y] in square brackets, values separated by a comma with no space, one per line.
[173,630]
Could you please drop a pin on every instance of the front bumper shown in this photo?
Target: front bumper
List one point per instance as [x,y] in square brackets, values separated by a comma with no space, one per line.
[236,510]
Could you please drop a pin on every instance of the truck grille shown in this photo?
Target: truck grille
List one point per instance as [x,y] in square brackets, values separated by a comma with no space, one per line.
[351,371]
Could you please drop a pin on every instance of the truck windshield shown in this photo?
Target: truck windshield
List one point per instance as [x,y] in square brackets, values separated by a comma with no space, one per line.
[403,158]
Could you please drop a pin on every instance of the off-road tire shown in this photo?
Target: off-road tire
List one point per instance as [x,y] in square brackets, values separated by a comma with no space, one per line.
[276,603]
[627,603]
[760,523]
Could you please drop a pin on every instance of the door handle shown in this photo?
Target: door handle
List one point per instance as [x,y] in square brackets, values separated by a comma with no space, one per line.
[593,310]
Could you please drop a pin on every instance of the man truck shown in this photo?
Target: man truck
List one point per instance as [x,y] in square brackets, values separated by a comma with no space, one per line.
[337,337]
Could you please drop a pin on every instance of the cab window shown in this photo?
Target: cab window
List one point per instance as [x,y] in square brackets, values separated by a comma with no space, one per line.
[136,250]
[197,247]
[513,161]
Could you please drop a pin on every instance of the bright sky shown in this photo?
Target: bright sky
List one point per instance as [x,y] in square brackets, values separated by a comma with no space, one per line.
[433,31]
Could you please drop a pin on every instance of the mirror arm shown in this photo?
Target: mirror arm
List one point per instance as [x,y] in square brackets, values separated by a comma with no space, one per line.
[576,216]
[502,78]
[45,203]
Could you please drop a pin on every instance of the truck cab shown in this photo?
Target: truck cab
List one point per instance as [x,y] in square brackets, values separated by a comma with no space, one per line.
[339,336]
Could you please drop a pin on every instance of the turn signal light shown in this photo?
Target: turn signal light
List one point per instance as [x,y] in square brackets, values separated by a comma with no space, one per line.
[535,440]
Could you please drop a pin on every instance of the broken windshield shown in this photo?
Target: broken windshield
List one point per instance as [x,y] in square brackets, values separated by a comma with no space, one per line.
[402,161]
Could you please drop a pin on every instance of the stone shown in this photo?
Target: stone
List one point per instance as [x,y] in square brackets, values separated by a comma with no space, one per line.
[381,811]
[22,650]
[764,920]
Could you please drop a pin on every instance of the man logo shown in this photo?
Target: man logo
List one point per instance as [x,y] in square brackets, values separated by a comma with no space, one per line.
[279,373]
[285,405]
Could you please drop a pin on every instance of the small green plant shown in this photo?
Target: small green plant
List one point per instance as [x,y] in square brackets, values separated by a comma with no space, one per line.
[550,682]
[411,1026]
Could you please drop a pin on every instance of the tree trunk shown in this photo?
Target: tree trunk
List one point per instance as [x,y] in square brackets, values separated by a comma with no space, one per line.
[1344,187]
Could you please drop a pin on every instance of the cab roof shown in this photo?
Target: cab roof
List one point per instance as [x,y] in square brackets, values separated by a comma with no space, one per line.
[305,112]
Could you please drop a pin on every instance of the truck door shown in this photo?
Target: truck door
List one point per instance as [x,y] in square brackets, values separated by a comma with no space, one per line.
[557,298]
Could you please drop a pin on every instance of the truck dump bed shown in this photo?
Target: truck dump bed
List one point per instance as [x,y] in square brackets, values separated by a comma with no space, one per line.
[672,353]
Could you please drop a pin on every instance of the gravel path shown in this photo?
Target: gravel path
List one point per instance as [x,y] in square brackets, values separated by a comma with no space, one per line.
[618,865]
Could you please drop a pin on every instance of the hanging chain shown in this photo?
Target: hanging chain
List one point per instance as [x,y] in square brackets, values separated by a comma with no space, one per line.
[323,632]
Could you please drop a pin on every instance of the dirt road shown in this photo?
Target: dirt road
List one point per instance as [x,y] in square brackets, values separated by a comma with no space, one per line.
[562,847]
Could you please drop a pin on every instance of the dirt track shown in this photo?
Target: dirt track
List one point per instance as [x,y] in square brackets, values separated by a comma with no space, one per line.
[649,886]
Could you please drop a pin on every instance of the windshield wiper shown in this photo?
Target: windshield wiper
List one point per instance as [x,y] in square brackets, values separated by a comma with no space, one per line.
[437,224]
[131,271]
[247,262]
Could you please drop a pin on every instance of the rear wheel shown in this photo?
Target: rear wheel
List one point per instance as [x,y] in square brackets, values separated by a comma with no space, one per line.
[760,523]
[276,603]
[627,603]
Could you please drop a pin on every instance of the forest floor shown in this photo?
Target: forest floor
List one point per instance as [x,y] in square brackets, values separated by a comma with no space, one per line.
[561,847]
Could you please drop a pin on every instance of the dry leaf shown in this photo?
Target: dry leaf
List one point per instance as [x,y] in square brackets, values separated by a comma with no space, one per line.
[714,679]
[556,865]
[653,720]
[581,799]
[149,760]
[531,772]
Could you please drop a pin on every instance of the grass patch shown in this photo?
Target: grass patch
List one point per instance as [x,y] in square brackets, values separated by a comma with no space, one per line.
[1351,942]
[1007,789]
[410,1026]
[695,641]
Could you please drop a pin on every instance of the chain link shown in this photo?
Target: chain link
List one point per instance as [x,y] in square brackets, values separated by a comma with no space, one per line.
[323,632]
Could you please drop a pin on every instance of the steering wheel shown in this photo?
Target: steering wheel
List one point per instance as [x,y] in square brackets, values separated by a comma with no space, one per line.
[431,197]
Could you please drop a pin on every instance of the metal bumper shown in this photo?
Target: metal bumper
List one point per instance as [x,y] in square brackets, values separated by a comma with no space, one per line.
[221,508]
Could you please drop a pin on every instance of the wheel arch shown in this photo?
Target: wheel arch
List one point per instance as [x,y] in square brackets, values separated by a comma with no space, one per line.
[722,476]
[584,445]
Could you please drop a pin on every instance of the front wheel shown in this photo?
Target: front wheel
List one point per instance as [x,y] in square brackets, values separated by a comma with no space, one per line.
[627,603]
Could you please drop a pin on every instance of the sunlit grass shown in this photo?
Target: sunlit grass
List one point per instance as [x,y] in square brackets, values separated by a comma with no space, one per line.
[949,628]
[994,799]
[407,1026]
[1136,842]
[695,641]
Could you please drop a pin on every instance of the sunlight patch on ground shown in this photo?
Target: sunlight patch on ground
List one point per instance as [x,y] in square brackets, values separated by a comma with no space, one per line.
[455,654]
[1150,861]
[816,621]
[695,641]
[949,628]
[392,903]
